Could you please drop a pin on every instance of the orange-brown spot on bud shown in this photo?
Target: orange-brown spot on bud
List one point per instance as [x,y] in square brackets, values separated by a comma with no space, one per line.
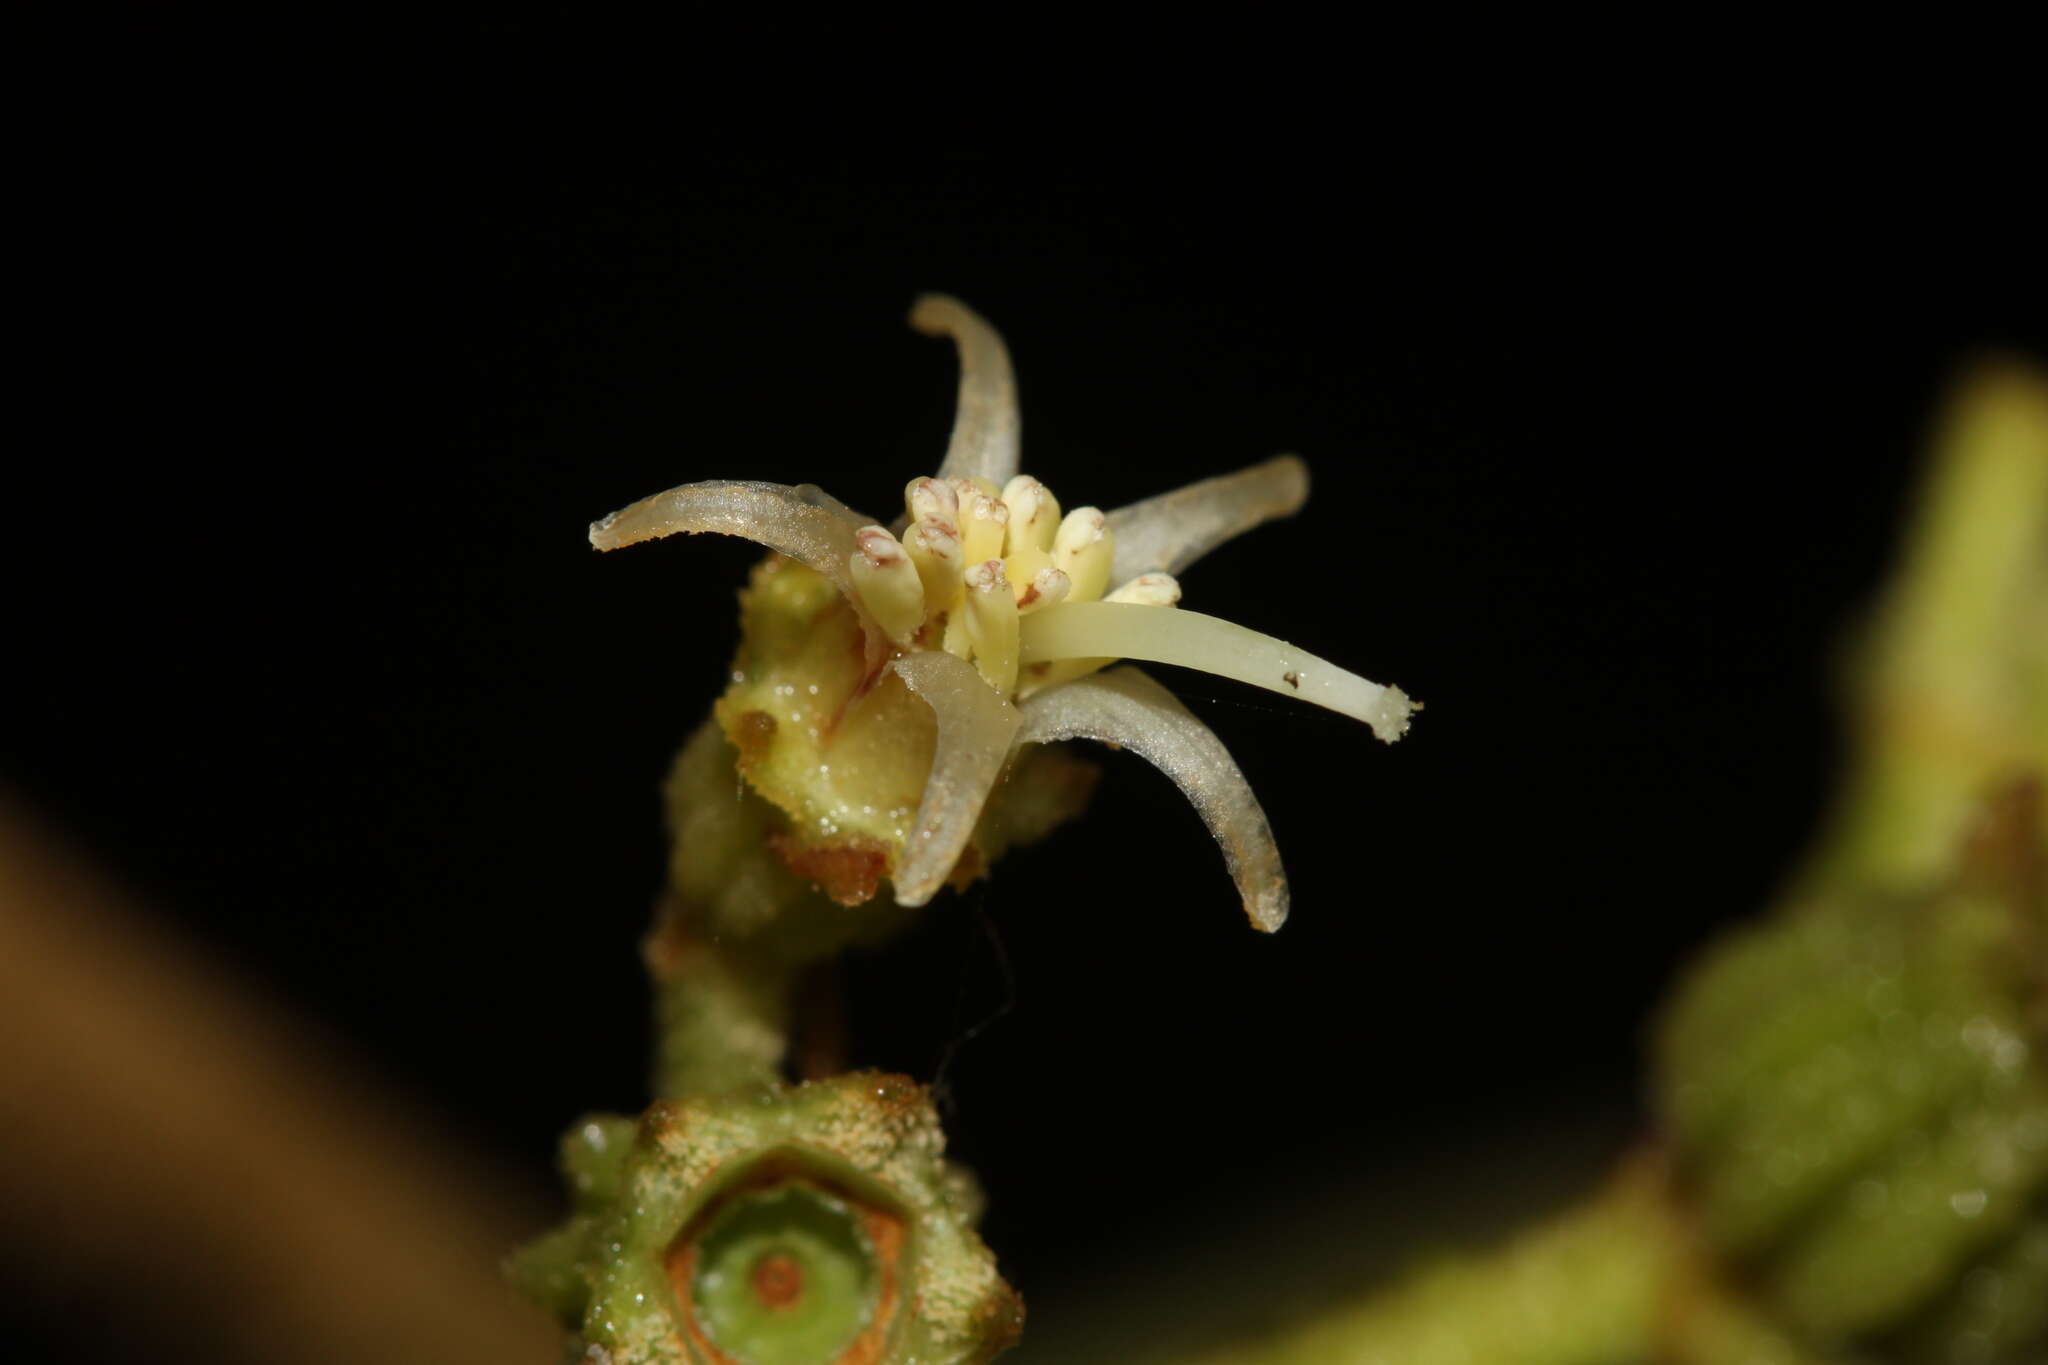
[848,869]
[662,1118]
[753,734]
[778,1282]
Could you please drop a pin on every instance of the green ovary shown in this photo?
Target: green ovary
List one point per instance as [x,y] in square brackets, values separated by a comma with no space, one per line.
[784,1277]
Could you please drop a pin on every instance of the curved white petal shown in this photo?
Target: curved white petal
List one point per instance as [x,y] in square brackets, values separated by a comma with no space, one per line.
[1120,630]
[1127,709]
[976,729]
[812,495]
[985,424]
[1167,533]
[804,522]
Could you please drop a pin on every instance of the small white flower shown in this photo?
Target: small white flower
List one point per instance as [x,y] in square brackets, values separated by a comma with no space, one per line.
[996,609]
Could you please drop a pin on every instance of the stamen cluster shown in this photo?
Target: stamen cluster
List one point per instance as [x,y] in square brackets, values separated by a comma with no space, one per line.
[974,559]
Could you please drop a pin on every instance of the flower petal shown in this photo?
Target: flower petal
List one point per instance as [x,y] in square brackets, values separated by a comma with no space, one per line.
[1169,532]
[1129,710]
[1121,630]
[804,522]
[976,727]
[985,423]
[812,495]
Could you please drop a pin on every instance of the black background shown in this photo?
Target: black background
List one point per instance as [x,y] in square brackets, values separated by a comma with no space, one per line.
[1610,438]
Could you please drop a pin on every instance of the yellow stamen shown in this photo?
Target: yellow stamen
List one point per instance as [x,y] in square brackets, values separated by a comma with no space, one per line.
[887,582]
[1034,514]
[992,625]
[1084,548]
[934,549]
[983,523]
[1048,588]
[932,498]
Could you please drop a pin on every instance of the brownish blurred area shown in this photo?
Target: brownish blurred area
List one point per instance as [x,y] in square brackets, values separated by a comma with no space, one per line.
[172,1152]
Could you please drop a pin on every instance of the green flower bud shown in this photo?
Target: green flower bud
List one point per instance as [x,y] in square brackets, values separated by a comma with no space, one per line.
[808,1225]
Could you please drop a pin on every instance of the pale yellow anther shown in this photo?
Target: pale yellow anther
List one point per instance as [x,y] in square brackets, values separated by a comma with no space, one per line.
[887,583]
[984,522]
[992,625]
[1149,590]
[1048,588]
[965,489]
[934,549]
[932,498]
[1034,520]
[1034,514]
[1084,548]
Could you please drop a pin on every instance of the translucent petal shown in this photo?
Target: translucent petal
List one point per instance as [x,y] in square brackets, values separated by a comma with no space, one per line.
[985,423]
[805,522]
[814,496]
[1128,709]
[1119,630]
[976,728]
[1173,530]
